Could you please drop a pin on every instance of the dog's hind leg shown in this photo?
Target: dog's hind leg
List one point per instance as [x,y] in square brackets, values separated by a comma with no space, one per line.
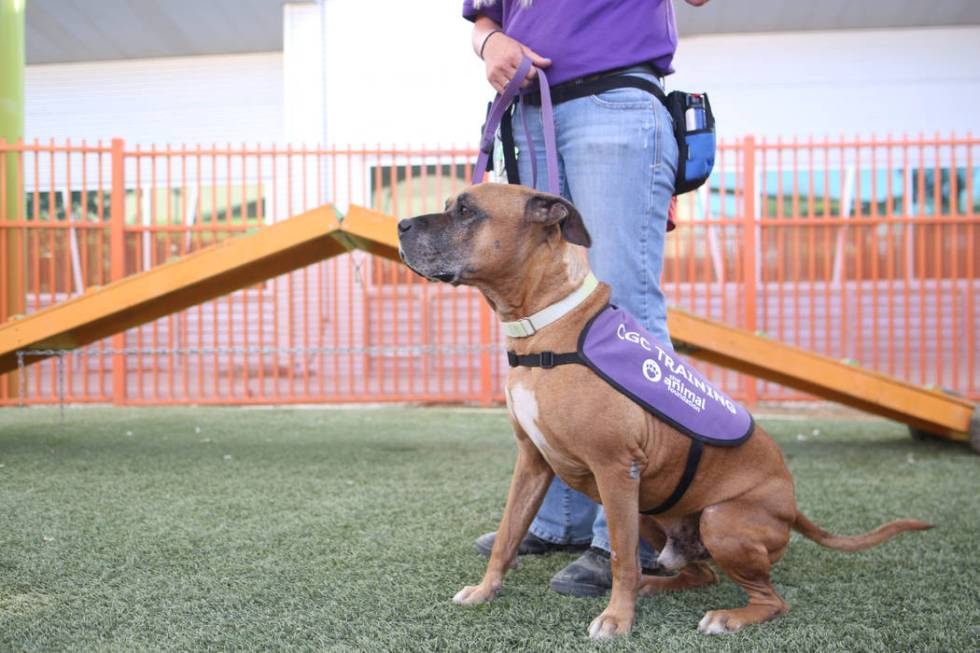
[652,533]
[695,574]
[681,550]
[744,538]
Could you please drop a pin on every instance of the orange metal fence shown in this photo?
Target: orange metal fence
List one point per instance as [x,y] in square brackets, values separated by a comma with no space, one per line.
[858,249]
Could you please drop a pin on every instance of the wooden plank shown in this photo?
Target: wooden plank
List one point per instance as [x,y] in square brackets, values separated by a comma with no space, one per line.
[821,376]
[316,235]
[371,231]
[756,355]
[233,264]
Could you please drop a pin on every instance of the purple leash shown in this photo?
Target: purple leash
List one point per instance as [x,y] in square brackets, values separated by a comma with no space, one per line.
[500,105]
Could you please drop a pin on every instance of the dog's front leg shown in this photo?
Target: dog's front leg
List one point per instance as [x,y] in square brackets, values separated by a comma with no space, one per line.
[619,491]
[532,475]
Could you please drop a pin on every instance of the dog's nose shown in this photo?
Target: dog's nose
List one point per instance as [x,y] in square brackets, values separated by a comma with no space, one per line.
[404,225]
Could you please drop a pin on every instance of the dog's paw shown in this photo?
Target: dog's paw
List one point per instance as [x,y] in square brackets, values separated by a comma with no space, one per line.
[722,622]
[474,595]
[608,625]
[719,622]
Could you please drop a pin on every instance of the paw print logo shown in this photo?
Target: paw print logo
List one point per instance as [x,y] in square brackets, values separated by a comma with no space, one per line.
[651,370]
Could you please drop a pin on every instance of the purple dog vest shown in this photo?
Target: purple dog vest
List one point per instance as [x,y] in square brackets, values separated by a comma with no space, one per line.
[625,355]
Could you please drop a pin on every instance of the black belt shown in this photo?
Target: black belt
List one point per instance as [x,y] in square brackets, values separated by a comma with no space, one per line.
[549,359]
[577,88]
[595,84]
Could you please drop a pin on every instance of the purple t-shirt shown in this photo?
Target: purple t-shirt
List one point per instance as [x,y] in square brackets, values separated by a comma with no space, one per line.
[584,37]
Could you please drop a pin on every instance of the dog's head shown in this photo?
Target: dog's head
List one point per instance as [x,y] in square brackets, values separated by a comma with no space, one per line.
[487,232]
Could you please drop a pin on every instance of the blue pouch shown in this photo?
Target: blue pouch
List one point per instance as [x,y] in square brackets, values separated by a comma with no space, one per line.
[694,128]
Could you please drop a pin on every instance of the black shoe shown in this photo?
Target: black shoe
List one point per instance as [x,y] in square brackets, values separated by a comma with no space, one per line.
[590,575]
[531,545]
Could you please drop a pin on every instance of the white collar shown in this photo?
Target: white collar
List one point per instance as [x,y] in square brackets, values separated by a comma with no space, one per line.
[528,326]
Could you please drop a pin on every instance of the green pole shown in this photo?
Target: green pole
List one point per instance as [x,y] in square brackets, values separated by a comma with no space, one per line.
[11,131]
[12,69]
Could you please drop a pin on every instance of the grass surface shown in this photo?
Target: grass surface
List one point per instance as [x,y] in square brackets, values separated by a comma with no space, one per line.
[237,529]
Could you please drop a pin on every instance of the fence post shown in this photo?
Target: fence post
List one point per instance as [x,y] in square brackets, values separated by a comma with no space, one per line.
[12,262]
[486,379]
[749,261]
[117,249]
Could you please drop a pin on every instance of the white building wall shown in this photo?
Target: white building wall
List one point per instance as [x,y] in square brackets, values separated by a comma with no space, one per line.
[412,78]
[303,73]
[402,73]
[207,99]
[850,82]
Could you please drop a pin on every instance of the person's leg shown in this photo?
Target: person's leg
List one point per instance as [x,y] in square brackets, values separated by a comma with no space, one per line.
[566,515]
[619,157]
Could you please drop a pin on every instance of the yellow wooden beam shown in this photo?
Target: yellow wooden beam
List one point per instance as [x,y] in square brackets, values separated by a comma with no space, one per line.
[371,231]
[140,298]
[931,410]
[316,235]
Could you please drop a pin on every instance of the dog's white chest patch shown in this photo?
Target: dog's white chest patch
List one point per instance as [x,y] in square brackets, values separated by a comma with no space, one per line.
[524,407]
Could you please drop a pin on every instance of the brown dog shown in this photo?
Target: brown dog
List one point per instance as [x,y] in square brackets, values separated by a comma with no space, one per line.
[513,244]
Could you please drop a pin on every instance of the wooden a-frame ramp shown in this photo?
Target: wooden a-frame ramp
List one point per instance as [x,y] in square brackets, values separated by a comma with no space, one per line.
[320,234]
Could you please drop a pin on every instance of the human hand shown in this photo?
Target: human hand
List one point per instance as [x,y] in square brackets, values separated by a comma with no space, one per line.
[503,55]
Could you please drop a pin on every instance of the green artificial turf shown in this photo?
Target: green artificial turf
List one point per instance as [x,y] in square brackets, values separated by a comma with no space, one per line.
[243,529]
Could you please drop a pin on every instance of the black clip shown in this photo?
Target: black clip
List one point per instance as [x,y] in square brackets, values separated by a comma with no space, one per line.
[512,358]
[547,360]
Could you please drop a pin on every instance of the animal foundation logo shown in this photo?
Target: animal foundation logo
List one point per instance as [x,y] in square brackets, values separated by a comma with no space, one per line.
[651,370]
[680,381]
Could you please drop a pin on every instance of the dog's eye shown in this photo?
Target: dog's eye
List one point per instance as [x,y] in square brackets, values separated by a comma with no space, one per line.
[464,211]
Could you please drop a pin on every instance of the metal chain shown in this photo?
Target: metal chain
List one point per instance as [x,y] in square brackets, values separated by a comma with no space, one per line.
[163,351]
[191,351]
[359,271]
[21,379]
[61,386]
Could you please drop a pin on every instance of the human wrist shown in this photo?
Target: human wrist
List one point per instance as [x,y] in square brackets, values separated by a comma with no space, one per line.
[482,26]
[483,46]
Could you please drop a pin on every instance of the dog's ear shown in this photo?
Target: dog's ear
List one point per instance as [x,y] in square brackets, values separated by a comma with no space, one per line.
[547,209]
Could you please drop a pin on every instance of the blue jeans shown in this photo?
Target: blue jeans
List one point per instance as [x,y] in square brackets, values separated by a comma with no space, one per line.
[617,158]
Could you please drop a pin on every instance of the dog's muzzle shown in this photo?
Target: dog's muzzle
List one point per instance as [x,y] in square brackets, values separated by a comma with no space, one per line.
[426,251]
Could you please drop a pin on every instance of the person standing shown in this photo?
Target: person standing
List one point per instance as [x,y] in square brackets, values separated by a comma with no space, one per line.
[617,159]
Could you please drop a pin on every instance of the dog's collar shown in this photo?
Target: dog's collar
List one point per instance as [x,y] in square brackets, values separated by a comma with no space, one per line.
[528,326]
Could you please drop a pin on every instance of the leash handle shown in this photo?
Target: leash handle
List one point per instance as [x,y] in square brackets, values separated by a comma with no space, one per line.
[501,103]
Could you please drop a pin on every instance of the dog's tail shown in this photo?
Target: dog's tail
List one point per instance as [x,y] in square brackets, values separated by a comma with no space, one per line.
[813,532]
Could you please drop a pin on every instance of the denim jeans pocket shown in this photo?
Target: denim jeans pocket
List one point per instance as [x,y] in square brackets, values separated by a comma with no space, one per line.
[624,98]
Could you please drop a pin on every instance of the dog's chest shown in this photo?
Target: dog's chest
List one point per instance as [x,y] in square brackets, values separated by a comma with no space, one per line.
[524,407]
